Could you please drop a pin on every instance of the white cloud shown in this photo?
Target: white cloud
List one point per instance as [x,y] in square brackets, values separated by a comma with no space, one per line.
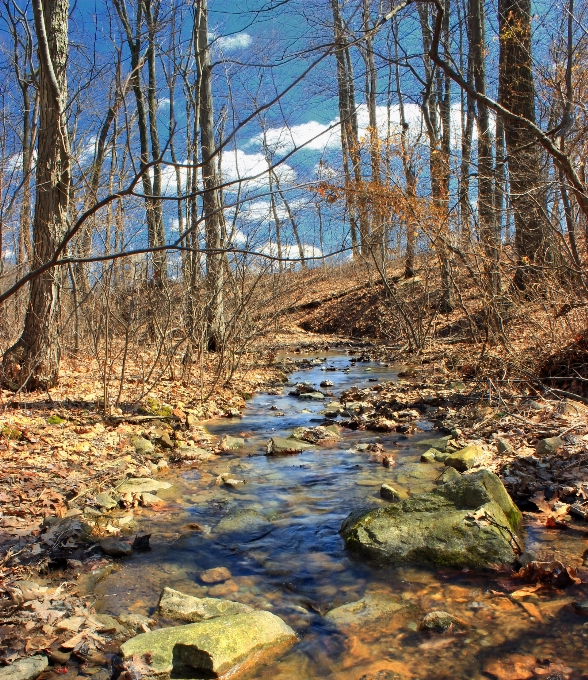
[162,103]
[291,251]
[234,42]
[313,135]
[238,165]
[87,151]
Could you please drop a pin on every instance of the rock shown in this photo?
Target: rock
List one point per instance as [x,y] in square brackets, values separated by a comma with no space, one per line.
[59,658]
[581,606]
[313,396]
[25,669]
[440,621]
[315,435]
[191,420]
[449,475]
[327,383]
[549,446]
[165,441]
[440,527]
[428,456]
[465,458]
[245,524]
[109,624]
[215,575]
[229,443]
[210,648]
[503,446]
[116,548]
[149,500]
[136,622]
[141,485]
[105,500]
[369,609]
[381,424]
[278,446]
[175,605]
[389,493]
[192,453]
[231,482]
[143,445]
[439,444]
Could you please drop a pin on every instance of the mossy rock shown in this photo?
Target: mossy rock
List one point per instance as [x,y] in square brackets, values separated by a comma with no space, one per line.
[218,647]
[55,420]
[11,433]
[445,527]
[153,407]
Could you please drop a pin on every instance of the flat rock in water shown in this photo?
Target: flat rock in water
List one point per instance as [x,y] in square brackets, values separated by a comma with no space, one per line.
[440,621]
[25,669]
[278,446]
[440,444]
[441,528]
[192,453]
[215,575]
[175,605]
[244,525]
[389,493]
[116,548]
[213,648]
[428,456]
[229,443]
[369,609]
[316,435]
[142,485]
[465,458]
[312,396]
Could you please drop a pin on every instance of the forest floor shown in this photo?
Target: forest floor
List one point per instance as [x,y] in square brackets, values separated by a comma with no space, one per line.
[62,460]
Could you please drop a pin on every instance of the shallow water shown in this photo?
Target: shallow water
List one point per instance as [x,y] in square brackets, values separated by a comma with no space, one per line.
[294,564]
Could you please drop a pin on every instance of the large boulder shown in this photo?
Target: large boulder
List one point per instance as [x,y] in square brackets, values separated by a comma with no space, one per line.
[175,605]
[212,648]
[466,522]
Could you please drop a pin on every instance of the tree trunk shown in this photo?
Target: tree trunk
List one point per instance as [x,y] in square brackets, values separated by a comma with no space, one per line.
[489,234]
[517,94]
[215,323]
[33,362]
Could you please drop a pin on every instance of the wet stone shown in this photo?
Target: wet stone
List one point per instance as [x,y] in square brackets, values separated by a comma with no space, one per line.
[312,396]
[440,621]
[389,493]
[212,648]
[465,458]
[278,446]
[440,444]
[229,443]
[215,575]
[428,456]
[176,605]
[371,608]
[116,548]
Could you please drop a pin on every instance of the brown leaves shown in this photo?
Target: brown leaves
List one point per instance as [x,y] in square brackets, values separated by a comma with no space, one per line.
[550,573]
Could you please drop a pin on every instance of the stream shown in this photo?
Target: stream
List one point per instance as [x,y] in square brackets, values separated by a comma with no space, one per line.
[291,560]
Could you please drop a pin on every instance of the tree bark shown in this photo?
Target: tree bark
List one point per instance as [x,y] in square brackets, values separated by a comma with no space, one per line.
[33,362]
[517,94]
[215,322]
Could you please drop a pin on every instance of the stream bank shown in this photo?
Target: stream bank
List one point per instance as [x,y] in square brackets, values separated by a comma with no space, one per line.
[274,529]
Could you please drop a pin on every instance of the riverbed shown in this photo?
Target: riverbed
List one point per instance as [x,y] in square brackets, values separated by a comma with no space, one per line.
[285,555]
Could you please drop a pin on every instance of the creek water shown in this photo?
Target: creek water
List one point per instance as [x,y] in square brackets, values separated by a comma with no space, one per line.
[292,561]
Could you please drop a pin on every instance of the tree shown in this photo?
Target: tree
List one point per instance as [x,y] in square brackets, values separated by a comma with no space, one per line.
[33,361]
[517,94]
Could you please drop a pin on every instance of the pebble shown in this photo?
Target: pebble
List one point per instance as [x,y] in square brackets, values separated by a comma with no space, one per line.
[215,575]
